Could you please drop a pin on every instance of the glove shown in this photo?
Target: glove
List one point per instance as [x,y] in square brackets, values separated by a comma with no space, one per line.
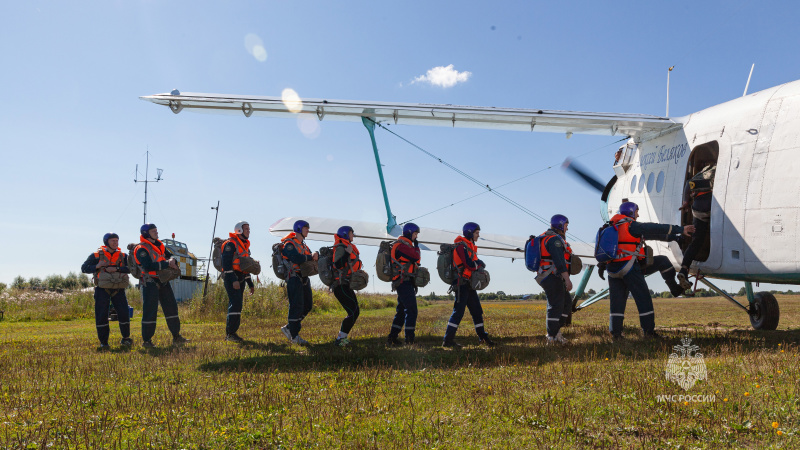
[416,243]
[481,264]
[601,269]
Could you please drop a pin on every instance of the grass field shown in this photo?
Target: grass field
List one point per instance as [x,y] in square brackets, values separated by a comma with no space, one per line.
[58,391]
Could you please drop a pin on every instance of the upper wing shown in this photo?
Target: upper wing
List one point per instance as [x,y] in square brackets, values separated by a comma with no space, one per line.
[422,114]
[370,233]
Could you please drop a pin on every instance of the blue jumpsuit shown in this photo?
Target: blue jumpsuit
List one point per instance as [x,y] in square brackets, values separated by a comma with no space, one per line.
[105,297]
[633,282]
[558,300]
[155,292]
[298,289]
[235,296]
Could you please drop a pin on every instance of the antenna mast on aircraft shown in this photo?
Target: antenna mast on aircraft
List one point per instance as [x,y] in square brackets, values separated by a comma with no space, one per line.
[145,181]
[748,79]
[668,72]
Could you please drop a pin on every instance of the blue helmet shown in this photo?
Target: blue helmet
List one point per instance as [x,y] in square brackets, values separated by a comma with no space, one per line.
[409,229]
[299,225]
[108,236]
[344,232]
[628,209]
[145,229]
[558,221]
[469,228]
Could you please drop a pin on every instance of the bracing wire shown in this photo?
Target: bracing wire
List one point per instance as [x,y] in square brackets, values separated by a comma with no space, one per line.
[510,182]
[486,187]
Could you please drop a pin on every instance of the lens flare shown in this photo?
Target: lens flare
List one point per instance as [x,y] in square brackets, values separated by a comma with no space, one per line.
[291,100]
[255,46]
[309,125]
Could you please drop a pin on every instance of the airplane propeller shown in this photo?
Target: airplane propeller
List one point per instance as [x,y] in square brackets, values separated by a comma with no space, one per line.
[583,175]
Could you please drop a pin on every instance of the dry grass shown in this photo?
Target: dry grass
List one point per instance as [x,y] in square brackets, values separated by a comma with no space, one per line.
[56,390]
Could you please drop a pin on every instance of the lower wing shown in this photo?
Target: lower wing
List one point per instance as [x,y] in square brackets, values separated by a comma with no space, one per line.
[371,233]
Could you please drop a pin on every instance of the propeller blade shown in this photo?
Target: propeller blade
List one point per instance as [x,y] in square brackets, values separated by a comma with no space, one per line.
[583,175]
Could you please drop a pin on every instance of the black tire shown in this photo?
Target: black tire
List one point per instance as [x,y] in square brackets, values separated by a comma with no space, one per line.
[765,313]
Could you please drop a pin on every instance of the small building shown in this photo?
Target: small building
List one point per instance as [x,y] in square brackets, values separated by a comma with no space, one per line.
[189,282]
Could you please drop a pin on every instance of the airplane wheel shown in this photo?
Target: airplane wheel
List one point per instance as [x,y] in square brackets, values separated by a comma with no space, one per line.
[766,314]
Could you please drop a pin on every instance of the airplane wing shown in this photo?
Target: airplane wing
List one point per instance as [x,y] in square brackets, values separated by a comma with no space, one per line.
[370,233]
[608,124]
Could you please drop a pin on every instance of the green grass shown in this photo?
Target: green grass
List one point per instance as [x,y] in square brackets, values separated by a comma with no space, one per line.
[56,390]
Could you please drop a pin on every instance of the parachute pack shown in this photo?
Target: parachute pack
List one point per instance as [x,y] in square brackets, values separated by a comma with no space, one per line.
[444,264]
[325,265]
[383,263]
[136,271]
[279,266]
[533,253]
[606,243]
[109,280]
[216,254]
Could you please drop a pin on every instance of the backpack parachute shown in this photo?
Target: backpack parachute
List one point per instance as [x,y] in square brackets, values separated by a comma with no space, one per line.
[325,265]
[216,255]
[533,253]
[279,266]
[383,263]
[136,271]
[444,265]
[606,243]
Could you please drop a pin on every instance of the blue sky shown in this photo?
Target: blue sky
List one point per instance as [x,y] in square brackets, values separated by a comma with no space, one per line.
[72,128]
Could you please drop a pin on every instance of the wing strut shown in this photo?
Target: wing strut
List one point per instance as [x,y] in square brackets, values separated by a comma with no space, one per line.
[391,220]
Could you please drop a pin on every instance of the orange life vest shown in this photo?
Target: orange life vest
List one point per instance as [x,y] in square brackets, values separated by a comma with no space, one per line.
[546,263]
[353,263]
[628,246]
[403,267]
[472,253]
[156,253]
[114,259]
[301,247]
[242,249]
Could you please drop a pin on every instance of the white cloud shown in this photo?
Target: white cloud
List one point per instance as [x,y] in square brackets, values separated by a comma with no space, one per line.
[443,76]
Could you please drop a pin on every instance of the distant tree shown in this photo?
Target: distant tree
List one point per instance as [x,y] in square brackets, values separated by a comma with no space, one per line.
[85,281]
[3,287]
[742,291]
[35,282]
[591,292]
[54,282]
[19,283]
[72,281]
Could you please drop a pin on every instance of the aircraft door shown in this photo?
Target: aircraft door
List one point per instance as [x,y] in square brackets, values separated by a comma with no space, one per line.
[704,156]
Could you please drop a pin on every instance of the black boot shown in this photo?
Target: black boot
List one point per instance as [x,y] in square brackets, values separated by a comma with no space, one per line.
[683,279]
[392,341]
[674,289]
[452,344]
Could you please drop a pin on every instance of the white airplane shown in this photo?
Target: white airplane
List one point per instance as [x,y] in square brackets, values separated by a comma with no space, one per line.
[754,140]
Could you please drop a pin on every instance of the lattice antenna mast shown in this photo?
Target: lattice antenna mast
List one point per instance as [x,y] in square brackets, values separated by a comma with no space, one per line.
[146,181]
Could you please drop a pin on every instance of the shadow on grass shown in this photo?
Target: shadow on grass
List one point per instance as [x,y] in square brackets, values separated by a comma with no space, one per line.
[427,352]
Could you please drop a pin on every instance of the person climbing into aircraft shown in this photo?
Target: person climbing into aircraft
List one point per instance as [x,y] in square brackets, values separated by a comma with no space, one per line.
[697,194]
[465,258]
[625,274]
[553,276]
[109,259]
[236,247]
[405,262]
[298,287]
[151,256]
[345,262]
